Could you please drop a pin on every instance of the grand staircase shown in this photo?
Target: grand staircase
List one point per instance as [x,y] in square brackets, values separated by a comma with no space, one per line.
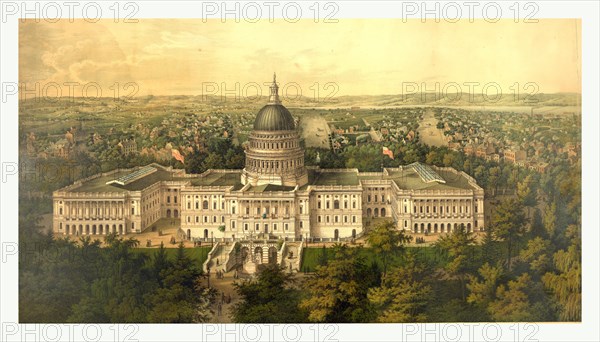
[223,256]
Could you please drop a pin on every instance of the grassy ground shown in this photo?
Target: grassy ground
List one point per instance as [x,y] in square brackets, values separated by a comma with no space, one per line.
[198,255]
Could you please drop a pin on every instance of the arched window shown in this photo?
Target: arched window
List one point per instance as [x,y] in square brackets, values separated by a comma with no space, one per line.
[205,204]
[336,204]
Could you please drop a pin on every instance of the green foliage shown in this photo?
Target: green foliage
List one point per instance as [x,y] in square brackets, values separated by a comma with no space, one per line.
[387,241]
[537,255]
[512,303]
[482,289]
[455,246]
[403,295]
[565,282]
[271,298]
[337,292]
[82,282]
[508,223]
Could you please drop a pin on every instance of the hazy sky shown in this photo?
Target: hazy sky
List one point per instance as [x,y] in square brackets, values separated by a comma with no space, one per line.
[370,56]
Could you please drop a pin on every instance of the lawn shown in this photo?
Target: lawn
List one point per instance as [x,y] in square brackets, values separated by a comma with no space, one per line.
[198,254]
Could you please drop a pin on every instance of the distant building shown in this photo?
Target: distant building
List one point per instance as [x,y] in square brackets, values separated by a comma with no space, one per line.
[470,150]
[484,150]
[128,146]
[515,156]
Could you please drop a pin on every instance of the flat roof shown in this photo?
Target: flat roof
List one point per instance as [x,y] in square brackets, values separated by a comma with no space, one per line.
[411,180]
[330,177]
[406,178]
[270,187]
[98,184]
[219,179]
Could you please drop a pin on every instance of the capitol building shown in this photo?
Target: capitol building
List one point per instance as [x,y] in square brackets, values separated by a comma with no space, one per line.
[275,196]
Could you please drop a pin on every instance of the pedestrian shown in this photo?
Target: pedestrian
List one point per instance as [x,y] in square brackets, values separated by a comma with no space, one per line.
[219,309]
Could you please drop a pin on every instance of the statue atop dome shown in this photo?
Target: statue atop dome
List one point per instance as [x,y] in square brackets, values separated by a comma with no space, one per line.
[274,96]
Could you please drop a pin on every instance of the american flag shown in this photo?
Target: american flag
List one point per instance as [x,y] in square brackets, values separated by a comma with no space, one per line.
[388,152]
[175,153]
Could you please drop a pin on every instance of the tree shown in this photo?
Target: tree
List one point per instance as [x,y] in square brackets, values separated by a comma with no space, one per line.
[337,292]
[455,247]
[512,303]
[271,298]
[508,222]
[488,246]
[386,240]
[549,220]
[565,282]
[536,255]
[527,192]
[213,161]
[494,179]
[482,289]
[403,295]
[176,301]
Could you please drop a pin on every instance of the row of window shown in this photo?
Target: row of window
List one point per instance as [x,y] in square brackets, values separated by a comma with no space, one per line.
[434,209]
[94,229]
[205,219]
[274,164]
[205,205]
[376,198]
[266,226]
[274,145]
[336,204]
[336,196]
[336,218]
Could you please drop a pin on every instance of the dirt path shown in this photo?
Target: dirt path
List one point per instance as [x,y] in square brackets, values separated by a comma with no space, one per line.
[429,133]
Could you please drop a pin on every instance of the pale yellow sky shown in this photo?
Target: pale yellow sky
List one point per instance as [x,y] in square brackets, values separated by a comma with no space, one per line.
[363,56]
